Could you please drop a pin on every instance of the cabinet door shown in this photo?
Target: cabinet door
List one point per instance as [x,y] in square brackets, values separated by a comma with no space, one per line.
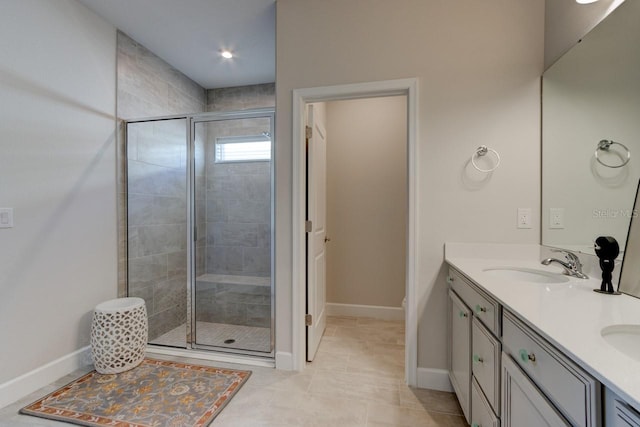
[617,413]
[522,403]
[460,351]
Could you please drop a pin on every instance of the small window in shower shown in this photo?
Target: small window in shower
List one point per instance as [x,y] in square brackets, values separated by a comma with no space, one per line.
[243,148]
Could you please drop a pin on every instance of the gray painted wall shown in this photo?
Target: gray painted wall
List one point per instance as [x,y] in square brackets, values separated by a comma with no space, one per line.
[478,65]
[367,201]
[57,86]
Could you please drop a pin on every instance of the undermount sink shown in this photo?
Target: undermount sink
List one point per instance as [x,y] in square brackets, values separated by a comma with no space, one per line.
[625,338]
[522,274]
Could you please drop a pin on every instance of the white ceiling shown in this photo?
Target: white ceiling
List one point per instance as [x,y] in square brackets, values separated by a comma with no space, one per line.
[189,35]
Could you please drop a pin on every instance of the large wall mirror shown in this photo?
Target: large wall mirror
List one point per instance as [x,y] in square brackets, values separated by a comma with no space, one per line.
[592,93]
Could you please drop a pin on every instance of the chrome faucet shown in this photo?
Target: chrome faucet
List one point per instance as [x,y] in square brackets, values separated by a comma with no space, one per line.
[572,265]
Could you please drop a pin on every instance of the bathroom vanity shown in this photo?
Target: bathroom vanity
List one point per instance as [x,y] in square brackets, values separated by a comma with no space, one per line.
[529,346]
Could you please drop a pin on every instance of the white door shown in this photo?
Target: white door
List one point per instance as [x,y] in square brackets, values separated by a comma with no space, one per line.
[316,233]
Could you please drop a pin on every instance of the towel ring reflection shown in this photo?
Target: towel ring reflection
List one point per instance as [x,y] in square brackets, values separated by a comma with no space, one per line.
[604,145]
[482,151]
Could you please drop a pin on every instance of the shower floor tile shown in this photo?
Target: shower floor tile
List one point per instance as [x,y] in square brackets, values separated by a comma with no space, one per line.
[218,334]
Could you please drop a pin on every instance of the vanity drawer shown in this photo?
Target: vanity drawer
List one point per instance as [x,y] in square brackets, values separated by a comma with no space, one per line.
[486,363]
[523,405]
[483,307]
[572,390]
[481,413]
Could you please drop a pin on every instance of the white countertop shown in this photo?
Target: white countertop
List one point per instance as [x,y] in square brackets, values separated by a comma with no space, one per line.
[570,315]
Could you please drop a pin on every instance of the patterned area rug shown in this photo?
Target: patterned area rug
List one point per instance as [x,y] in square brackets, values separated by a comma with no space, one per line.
[154,394]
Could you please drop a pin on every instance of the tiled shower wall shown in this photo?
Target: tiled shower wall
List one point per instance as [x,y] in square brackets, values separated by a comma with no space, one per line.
[149,87]
[238,215]
[157,203]
[242,97]
[238,218]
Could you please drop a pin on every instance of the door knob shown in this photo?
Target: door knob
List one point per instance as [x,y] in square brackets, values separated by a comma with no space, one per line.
[326,239]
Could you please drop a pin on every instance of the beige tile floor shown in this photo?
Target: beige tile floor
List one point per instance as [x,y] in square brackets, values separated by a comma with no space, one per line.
[355,380]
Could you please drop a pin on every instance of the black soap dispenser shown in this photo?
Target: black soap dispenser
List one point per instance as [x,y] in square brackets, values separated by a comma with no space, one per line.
[607,249]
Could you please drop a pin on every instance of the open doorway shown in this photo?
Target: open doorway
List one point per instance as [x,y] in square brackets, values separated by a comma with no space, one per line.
[407,89]
[357,212]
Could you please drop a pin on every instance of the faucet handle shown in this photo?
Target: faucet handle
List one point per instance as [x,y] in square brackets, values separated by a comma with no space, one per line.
[570,256]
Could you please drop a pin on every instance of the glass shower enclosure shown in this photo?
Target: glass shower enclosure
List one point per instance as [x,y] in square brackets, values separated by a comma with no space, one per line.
[200,229]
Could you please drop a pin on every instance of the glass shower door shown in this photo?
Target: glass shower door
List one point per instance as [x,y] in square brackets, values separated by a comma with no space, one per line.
[157,212]
[232,301]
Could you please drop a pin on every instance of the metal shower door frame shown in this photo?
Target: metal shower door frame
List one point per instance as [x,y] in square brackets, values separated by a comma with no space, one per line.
[192,120]
[191,320]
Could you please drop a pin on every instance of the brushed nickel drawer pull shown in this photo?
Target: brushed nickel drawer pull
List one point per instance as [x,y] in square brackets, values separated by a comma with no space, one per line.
[525,356]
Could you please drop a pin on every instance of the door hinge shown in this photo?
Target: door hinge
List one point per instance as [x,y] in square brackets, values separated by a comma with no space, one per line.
[195,234]
[308,130]
[308,226]
[308,320]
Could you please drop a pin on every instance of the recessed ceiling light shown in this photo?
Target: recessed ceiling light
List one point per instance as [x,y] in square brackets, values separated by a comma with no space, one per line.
[226,54]
[586,1]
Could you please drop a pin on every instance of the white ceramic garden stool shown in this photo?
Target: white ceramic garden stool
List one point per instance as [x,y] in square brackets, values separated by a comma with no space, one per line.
[119,332]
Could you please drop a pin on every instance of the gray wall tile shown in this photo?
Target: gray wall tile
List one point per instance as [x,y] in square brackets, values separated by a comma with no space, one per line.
[161,239]
[177,265]
[259,315]
[145,271]
[170,294]
[256,261]
[232,234]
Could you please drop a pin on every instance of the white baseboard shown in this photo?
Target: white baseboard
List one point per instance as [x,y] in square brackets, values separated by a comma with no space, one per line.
[434,379]
[25,384]
[284,361]
[373,311]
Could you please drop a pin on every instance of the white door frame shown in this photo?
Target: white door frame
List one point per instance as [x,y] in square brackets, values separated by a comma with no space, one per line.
[301,97]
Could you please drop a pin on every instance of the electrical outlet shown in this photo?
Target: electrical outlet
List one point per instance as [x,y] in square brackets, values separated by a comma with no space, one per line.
[556,217]
[524,218]
[6,217]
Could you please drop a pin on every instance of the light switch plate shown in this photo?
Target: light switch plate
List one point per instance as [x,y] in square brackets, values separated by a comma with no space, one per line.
[524,218]
[6,217]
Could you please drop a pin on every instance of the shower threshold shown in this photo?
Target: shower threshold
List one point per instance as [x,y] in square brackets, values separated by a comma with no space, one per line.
[237,337]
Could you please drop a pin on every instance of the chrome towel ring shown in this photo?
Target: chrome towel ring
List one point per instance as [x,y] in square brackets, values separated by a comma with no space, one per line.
[605,145]
[482,151]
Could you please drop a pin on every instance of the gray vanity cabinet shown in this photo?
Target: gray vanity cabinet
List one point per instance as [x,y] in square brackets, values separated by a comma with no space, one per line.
[474,350]
[499,365]
[617,413]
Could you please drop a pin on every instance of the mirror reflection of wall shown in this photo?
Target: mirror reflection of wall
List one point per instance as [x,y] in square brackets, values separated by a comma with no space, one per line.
[567,21]
[630,272]
[592,93]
